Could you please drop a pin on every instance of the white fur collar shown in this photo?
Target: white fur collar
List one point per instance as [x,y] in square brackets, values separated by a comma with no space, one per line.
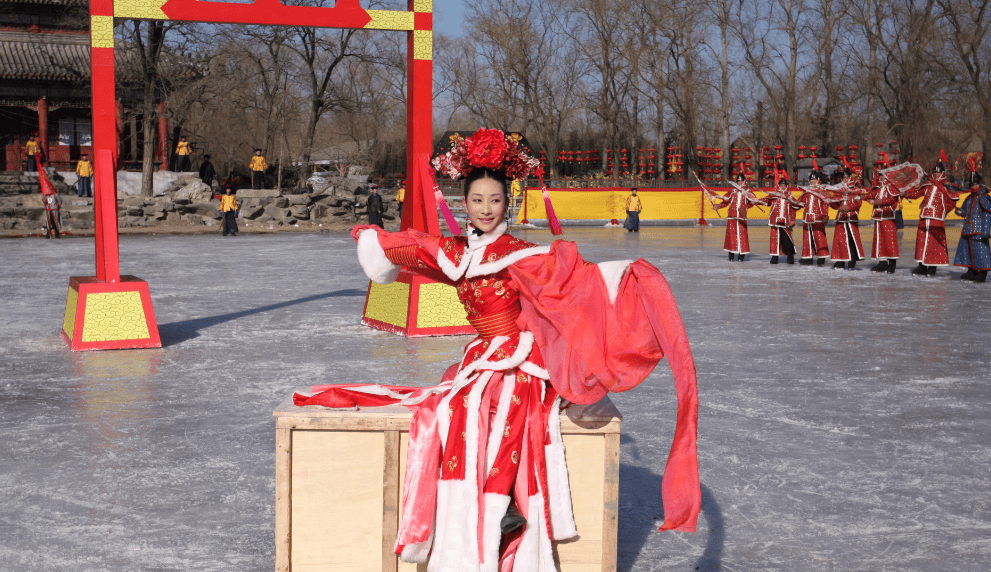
[479,268]
[475,242]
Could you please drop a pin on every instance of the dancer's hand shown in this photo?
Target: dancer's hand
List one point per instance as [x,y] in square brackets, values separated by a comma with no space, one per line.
[358,228]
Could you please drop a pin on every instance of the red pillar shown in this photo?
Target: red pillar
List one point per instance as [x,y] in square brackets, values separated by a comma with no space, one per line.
[163,128]
[420,212]
[104,160]
[43,127]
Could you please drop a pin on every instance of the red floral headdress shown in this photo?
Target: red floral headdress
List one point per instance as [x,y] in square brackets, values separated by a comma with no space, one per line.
[486,149]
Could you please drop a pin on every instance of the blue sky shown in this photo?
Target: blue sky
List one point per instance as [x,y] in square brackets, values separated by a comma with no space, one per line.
[448,17]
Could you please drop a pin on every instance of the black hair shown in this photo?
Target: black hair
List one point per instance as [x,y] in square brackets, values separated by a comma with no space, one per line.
[975,178]
[847,172]
[741,176]
[939,168]
[497,176]
[817,174]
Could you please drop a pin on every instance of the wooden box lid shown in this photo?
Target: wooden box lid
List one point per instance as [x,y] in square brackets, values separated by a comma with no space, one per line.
[601,417]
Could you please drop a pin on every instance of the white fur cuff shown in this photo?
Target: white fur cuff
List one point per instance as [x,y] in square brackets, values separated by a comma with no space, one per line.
[372,258]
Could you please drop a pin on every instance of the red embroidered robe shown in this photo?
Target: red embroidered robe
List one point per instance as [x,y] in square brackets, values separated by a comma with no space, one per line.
[930,240]
[846,235]
[737,239]
[885,243]
[551,327]
[781,218]
[815,215]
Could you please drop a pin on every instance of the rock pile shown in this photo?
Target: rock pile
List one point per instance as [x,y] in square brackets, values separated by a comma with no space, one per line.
[186,201]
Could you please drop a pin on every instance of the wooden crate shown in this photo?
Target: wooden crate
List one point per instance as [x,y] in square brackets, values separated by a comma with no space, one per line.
[338,485]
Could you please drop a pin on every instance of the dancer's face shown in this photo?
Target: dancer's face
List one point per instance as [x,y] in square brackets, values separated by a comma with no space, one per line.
[485,204]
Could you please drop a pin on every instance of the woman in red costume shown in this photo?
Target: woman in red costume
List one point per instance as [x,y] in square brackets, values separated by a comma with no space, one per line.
[847,248]
[739,199]
[781,219]
[815,214]
[938,202]
[884,247]
[486,488]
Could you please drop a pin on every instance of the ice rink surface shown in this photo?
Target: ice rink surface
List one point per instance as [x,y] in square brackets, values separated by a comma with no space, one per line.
[845,418]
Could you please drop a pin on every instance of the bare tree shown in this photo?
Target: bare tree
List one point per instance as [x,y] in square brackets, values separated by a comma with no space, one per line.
[968,23]
[776,50]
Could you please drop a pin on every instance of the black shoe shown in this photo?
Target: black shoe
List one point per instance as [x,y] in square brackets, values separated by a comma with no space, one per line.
[981,276]
[805,262]
[919,270]
[739,257]
[791,259]
[838,265]
[891,266]
[821,262]
[880,266]
[512,521]
[930,271]
[731,257]
[969,275]
[774,260]
[851,265]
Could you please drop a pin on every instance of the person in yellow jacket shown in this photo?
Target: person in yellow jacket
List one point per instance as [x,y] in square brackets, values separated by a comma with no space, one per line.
[400,198]
[633,208]
[258,166]
[228,206]
[84,170]
[31,148]
[182,151]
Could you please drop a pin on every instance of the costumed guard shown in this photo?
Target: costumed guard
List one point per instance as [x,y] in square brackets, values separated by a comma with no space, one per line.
[973,251]
[847,248]
[488,437]
[228,206]
[739,198]
[784,206]
[930,239]
[884,247]
[816,213]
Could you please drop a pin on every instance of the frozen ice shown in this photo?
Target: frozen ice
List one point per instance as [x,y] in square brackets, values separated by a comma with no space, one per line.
[845,417]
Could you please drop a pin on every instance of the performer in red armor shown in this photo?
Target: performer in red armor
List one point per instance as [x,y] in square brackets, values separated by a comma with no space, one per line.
[816,213]
[739,198]
[781,218]
[847,248]
[884,248]
[938,201]
[553,329]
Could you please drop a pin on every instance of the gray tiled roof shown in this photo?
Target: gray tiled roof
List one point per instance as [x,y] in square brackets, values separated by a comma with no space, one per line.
[25,55]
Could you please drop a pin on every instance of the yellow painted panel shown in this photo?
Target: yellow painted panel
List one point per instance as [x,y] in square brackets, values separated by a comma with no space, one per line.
[337,500]
[586,457]
[389,303]
[114,316]
[423,45]
[102,31]
[439,307]
[390,20]
[69,323]
[147,9]
[423,5]
[606,205]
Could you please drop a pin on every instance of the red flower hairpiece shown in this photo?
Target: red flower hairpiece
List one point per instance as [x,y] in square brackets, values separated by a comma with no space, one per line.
[486,149]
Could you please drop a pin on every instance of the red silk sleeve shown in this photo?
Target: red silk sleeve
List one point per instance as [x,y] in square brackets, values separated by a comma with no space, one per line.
[613,346]
[418,252]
